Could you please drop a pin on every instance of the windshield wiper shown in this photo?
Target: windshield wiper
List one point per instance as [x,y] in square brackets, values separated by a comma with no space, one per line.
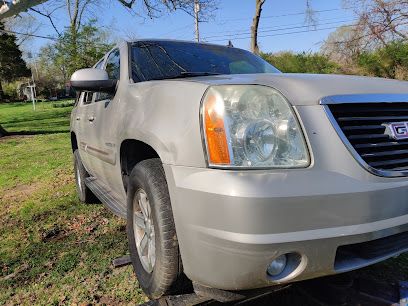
[193,74]
[186,74]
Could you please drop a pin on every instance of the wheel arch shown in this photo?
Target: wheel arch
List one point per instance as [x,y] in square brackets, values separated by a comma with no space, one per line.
[132,152]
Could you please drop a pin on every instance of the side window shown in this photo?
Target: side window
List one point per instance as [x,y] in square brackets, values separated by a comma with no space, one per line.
[113,70]
[113,65]
[86,97]
[78,97]
[99,65]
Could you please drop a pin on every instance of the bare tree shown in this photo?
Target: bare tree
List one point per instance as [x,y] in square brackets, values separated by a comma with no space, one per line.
[310,15]
[200,10]
[155,8]
[255,25]
[79,11]
[48,12]
[381,21]
[378,23]
[23,23]
[344,46]
[310,19]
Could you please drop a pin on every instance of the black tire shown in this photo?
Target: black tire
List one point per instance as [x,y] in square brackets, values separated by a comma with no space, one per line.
[166,276]
[84,193]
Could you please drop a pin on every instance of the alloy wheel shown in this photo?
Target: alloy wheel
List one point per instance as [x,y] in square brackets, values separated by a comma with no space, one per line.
[143,228]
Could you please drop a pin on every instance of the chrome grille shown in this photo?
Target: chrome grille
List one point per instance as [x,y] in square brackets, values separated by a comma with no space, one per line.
[362,126]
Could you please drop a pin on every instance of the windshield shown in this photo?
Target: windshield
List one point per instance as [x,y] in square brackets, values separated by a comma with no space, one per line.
[157,60]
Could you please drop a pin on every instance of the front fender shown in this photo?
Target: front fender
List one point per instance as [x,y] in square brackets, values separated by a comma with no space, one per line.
[166,116]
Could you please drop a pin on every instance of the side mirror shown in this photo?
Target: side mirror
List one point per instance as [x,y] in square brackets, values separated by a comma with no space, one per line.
[92,79]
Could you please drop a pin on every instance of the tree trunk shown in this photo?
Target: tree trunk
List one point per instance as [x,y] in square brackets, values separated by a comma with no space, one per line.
[3,132]
[255,25]
[1,92]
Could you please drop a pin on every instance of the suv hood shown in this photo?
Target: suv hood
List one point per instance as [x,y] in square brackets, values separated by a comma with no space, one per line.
[308,89]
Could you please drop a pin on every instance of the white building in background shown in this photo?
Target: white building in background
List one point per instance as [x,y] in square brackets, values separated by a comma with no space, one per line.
[24,91]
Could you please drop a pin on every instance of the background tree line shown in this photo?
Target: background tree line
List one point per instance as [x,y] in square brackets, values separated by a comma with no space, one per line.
[390,61]
[375,45]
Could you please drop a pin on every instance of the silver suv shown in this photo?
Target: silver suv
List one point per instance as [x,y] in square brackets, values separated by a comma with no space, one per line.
[236,175]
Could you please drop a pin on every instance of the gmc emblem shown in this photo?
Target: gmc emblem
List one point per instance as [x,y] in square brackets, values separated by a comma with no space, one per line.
[397,130]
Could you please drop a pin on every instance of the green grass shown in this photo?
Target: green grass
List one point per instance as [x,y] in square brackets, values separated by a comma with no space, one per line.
[20,117]
[55,250]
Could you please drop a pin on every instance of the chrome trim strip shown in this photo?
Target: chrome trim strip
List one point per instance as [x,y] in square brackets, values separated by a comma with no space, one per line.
[354,153]
[106,156]
[364,98]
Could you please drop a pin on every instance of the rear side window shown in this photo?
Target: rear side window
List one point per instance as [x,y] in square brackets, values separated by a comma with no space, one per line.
[87,98]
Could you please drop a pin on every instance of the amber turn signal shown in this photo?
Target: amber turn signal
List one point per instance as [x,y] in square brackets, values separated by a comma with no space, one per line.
[217,145]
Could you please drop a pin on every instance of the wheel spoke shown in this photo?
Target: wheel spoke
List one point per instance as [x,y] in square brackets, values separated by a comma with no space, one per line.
[139,220]
[151,253]
[78,174]
[147,205]
[144,230]
[143,244]
[143,204]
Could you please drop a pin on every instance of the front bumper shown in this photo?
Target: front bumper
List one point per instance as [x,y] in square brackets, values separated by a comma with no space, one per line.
[232,224]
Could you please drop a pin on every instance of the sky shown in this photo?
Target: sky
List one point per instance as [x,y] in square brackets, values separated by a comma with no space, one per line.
[231,21]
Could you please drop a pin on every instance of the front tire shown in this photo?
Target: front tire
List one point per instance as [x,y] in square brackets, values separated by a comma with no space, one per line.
[153,244]
[84,193]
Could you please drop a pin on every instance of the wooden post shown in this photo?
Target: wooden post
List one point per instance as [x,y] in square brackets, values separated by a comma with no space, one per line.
[196,11]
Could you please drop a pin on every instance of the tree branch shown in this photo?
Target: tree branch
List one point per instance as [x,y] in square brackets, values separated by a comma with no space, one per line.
[49,17]
[82,10]
[126,3]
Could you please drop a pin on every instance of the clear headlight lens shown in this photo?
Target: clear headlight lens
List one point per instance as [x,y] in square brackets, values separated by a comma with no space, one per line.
[251,126]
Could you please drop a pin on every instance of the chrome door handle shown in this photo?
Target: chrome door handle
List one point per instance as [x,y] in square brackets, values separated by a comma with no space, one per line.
[91,119]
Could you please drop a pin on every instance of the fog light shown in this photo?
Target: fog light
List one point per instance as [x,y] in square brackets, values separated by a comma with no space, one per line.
[277,266]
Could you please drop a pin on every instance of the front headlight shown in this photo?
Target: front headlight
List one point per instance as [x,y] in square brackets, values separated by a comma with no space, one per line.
[251,126]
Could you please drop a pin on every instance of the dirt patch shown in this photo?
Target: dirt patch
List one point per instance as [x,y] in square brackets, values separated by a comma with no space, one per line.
[11,137]
[11,197]
[18,193]
[21,192]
